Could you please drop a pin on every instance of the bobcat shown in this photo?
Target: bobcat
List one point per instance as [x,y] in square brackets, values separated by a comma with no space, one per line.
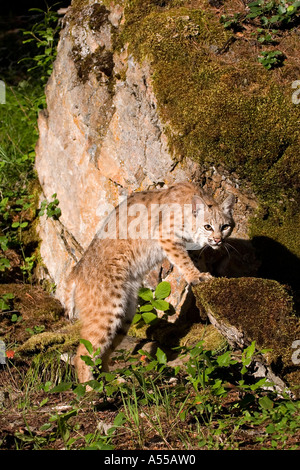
[102,287]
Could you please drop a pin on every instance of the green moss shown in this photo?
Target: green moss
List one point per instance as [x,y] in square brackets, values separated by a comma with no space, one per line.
[263,310]
[221,109]
[171,335]
[63,341]
[212,339]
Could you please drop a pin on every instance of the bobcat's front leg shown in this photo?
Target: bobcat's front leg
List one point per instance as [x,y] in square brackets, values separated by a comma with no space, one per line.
[177,255]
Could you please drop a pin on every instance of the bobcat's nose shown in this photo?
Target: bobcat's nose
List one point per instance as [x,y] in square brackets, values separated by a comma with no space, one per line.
[218,241]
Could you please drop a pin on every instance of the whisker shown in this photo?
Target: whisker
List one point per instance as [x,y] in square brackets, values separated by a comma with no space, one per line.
[228,252]
[233,247]
[203,249]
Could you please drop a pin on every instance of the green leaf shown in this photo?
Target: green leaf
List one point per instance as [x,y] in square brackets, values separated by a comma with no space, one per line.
[149,317]
[16,318]
[161,356]
[9,295]
[161,305]
[264,20]
[275,19]
[80,390]
[225,359]
[62,387]
[249,351]
[146,308]
[3,243]
[4,264]
[270,429]
[95,385]
[145,294]
[119,419]
[88,360]
[259,384]
[266,403]
[45,427]
[281,9]
[3,305]
[290,10]
[137,317]
[88,345]
[162,290]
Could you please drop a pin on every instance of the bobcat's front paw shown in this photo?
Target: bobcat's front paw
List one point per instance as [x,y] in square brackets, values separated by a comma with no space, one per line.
[201,278]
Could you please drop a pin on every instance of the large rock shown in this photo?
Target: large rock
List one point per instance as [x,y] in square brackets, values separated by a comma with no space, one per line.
[252,309]
[98,141]
[102,138]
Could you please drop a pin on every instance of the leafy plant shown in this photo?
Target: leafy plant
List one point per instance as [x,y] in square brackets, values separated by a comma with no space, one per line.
[265,37]
[5,299]
[102,441]
[271,59]
[36,330]
[270,17]
[51,208]
[44,35]
[27,267]
[147,312]
[231,22]
[63,426]
[273,12]
[192,403]
[4,264]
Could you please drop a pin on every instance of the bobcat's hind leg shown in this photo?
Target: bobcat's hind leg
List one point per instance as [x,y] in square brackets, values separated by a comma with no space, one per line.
[84,372]
[120,332]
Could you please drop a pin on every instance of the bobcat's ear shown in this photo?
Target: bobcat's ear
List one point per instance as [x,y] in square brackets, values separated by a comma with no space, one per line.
[198,204]
[227,206]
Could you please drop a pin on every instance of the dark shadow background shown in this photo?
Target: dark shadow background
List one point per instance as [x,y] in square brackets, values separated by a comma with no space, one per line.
[278,263]
[15,17]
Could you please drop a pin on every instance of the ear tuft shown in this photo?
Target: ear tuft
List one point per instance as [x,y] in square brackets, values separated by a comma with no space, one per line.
[228,204]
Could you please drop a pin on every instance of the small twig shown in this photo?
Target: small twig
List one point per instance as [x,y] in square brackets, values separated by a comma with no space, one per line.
[225,47]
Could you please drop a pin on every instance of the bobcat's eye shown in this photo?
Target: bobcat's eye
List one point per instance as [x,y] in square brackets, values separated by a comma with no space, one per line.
[225,227]
[208,227]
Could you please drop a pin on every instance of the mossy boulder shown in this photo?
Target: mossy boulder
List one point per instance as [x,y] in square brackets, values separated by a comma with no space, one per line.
[222,108]
[64,341]
[260,310]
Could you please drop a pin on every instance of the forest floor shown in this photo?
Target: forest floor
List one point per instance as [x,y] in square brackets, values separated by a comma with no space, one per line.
[144,404]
